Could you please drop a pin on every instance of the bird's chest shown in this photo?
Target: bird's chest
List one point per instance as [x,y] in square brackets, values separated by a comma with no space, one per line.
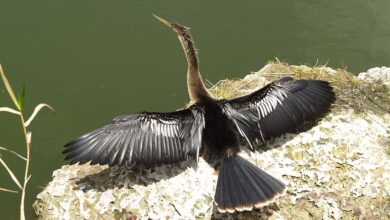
[220,133]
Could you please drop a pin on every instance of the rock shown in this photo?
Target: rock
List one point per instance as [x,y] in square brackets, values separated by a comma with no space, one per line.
[339,169]
[381,74]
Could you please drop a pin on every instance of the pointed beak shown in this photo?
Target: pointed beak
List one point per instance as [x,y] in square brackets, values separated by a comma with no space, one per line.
[167,23]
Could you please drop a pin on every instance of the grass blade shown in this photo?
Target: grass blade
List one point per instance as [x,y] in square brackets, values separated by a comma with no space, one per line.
[36,110]
[28,178]
[9,88]
[10,110]
[13,152]
[21,96]
[28,137]
[8,190]
[11,174]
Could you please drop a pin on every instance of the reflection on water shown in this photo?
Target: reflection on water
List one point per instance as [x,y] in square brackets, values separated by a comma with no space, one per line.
[95,59]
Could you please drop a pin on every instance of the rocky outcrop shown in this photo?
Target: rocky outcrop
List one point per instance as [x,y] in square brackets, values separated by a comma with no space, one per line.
[337,169]
[377,74]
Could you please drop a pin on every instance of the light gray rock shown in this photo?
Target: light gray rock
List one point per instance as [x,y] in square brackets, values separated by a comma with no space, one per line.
[381,74]
[339,169]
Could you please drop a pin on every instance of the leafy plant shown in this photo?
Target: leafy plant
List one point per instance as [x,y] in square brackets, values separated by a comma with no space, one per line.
[18,102]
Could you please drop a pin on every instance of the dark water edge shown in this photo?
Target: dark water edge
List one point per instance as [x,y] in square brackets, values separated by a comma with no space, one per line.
[92,60]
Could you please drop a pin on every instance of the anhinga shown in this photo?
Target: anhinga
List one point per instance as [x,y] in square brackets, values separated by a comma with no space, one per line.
[151,138]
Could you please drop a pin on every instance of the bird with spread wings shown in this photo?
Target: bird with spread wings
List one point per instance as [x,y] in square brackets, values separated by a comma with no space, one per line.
[152,138]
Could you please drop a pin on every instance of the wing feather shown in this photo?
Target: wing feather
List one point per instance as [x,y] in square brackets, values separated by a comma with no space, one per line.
[145,138]
[119,152]
[279,107]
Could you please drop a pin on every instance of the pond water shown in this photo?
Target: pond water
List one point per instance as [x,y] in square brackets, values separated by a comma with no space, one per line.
[94,59]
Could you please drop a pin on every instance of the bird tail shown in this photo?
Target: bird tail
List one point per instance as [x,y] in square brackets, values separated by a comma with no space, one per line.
[242,186]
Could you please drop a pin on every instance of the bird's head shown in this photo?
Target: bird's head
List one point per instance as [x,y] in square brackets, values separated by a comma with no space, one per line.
[179,29]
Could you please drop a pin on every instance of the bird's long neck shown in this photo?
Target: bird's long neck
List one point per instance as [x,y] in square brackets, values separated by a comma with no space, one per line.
[196,88]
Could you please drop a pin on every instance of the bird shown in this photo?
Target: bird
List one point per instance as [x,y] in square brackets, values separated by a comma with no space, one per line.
[212,128]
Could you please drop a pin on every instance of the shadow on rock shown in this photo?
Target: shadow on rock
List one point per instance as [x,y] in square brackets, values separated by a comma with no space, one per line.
[119,177]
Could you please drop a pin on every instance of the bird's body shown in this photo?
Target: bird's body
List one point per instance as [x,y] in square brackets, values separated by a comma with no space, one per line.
[220,136]
[213,125]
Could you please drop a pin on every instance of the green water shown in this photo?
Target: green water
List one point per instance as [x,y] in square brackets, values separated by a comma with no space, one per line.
[94,59]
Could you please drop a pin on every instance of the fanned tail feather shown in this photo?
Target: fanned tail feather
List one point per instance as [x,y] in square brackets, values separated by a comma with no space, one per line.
[242,186]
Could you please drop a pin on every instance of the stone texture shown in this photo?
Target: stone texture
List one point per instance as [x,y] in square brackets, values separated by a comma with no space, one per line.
[377,74]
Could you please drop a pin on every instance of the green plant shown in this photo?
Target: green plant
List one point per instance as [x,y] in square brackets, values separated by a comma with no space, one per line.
[18,102]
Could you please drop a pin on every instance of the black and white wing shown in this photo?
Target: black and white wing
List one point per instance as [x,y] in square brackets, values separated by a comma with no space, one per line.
[279,107]
[145,138]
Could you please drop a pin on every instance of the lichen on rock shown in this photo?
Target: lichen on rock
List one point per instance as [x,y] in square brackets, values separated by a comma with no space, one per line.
[339,169]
